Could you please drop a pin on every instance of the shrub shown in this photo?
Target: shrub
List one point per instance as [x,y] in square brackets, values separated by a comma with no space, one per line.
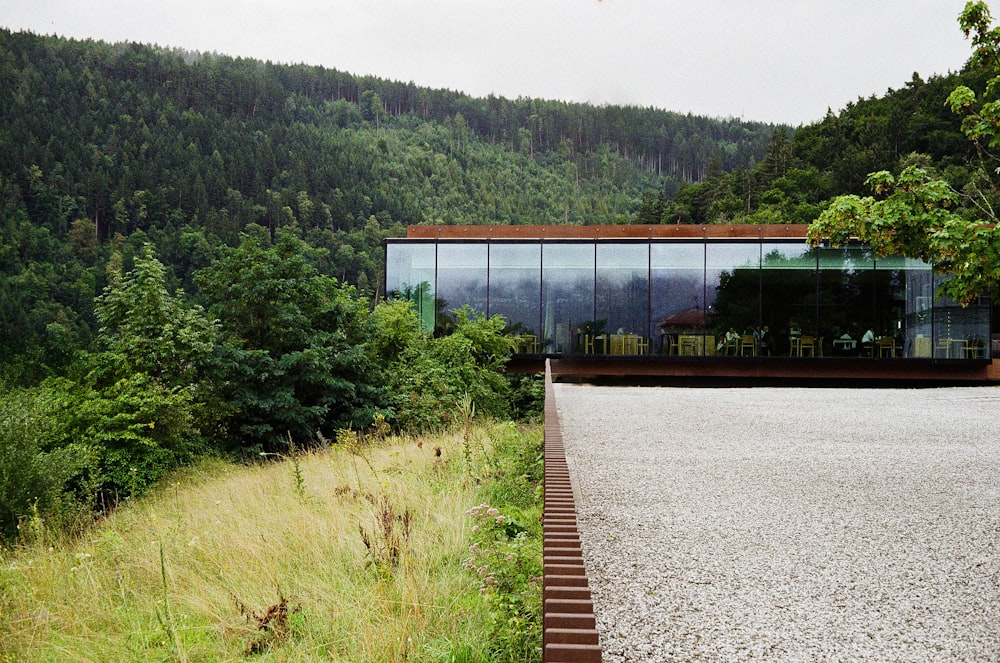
[36,478]
[428,377]
[140,427]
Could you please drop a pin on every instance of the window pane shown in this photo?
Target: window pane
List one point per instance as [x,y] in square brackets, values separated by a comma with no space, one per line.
[788,292]
[847,299]
[919,322]
[677,295]
[461,280]
[732,280]
[516,285]
[623,287]
[409,274]
[960,332]
[568,295]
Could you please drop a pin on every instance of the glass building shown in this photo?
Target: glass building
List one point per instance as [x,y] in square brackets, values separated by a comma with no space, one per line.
[683,290]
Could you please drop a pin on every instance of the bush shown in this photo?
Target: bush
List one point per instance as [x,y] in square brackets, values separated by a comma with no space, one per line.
[293,362]
[506,551]
[35,477]
[140,427]
[429,377]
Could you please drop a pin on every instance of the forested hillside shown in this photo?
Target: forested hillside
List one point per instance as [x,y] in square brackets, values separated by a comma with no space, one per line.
[802,172]
[134,137]
[191,244]
[105,147]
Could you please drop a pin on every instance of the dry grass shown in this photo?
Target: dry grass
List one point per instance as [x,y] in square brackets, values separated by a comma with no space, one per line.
[259,560]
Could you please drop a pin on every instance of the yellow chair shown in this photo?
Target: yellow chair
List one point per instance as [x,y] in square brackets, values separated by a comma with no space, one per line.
[748,346]
[617,344]
[807,344]
[886,346]
[642,345]
[527,343]
[672,343]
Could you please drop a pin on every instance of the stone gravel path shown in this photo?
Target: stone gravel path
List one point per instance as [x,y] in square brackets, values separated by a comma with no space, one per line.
[789,524]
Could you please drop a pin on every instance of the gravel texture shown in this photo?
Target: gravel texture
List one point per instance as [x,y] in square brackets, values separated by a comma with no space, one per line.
[789,524]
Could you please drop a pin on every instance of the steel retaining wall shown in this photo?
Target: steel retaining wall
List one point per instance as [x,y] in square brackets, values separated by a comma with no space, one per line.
[569,630]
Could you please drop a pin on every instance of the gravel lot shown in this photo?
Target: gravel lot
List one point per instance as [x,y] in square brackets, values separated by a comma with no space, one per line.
[789,524]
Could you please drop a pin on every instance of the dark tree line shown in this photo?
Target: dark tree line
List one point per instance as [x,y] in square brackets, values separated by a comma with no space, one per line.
[802,170]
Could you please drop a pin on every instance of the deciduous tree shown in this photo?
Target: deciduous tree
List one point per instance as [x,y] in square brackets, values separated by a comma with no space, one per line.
[918,214]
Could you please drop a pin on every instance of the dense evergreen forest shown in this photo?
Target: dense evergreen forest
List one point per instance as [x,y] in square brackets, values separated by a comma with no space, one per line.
[191,244]
[110,146]
[800,173]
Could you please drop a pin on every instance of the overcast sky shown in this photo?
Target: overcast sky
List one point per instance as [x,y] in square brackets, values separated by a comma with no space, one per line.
[769,60]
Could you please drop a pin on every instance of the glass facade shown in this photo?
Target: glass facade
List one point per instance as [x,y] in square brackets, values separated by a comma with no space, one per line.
[698,297]
[515,285]
[568,306]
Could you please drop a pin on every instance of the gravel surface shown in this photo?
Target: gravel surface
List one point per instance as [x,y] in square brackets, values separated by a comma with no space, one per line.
[789,524]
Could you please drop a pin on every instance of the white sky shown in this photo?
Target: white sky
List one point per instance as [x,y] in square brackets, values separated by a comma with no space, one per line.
[768,60]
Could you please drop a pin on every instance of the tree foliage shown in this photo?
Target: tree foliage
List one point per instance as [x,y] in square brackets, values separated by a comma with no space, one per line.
[917,213]
[37,477]
[293,362]
[430,376]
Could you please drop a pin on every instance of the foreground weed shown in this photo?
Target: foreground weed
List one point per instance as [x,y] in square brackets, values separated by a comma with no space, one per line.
[299,480]
[273,623]
[466,415]
[390,537]
[165,617]
[356,445]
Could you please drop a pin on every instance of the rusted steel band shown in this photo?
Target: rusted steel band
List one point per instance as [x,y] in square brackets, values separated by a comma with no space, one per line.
[569,629]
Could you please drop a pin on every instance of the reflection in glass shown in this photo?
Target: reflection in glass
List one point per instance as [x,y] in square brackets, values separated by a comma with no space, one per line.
[677,296]
[461,281]
[788,293]
[516,285]
[960,332]
[732,281]
[623,286]
[568,314]
[409,274]
[846,295]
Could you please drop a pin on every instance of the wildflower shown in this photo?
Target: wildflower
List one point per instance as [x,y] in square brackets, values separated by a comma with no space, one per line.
[475,528]
[493,513]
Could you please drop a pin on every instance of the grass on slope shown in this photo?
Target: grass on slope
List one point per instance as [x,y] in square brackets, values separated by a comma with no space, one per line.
[359,552]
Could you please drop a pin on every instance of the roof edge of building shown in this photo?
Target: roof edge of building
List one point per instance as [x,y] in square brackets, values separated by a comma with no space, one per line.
[719,231]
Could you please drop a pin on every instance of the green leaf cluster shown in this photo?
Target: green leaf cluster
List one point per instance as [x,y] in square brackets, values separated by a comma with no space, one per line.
[428,377]
[943,219]
[37,475]
[292,361]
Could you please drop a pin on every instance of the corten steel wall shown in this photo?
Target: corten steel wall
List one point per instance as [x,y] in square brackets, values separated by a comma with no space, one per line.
[569,630]
[775,231]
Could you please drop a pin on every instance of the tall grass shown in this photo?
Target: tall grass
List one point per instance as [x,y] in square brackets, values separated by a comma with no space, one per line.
[223,561]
